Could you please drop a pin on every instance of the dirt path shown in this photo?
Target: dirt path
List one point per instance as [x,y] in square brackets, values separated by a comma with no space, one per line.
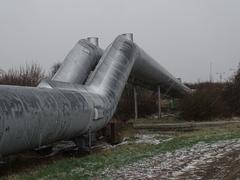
[202,161]
[228,167]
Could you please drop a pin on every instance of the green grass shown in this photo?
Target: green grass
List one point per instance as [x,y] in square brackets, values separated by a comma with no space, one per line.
[92,165]
[152,121]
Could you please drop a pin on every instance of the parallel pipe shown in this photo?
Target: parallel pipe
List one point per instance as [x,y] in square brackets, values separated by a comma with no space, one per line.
[79,62]
[31,117]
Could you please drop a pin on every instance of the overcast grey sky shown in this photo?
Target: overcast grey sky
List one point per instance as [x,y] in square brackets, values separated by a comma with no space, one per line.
[183,35]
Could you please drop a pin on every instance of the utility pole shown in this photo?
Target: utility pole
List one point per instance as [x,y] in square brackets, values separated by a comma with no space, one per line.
[210,73]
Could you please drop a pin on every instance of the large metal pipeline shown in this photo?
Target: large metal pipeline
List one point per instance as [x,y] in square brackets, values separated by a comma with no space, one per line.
[149,72]
[31,117]
[79,62]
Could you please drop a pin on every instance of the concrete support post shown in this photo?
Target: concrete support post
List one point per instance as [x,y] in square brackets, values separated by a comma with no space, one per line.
[135,103]
[159,103]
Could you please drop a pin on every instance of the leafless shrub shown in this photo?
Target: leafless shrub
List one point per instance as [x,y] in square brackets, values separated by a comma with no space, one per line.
[232,94]
[207,102]
[28,75]
[146,103]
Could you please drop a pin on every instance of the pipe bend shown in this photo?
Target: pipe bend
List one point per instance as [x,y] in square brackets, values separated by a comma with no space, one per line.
[110,77]
[80,61]
[116,64]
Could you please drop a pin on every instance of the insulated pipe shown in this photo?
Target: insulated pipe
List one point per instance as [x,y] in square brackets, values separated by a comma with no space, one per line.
[148,70]
[31,117]
[79,62]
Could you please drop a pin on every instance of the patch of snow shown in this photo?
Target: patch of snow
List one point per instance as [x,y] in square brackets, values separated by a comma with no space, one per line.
[174,165]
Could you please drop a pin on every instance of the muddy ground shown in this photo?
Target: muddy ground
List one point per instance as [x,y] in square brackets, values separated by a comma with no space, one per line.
[202,161]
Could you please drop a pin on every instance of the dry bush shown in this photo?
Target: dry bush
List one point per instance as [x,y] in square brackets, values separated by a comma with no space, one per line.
[146,103]
[205,103]
[125,108]
[232,94]
[28,75]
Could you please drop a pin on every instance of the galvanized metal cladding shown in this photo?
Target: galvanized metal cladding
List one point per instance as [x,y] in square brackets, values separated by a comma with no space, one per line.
[79,62]
[80,98]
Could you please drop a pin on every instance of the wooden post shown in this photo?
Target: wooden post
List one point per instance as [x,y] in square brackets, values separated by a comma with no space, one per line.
[159,103]
[135,103]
